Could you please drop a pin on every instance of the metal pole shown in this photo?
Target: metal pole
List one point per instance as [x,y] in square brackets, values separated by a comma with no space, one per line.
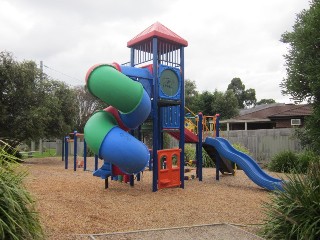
[75,149]
[66,152]
[96,162]
[199,147]
[84,155]
[217,124]
[155,129]
[182,137]
[62,149]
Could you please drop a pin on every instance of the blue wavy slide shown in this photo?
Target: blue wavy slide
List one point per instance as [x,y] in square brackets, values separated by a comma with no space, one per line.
[249,166]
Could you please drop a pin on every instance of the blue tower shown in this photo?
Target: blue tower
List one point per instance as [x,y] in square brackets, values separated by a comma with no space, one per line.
[161,51]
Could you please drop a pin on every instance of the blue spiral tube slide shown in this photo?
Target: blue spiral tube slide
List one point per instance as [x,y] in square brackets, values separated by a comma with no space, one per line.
[102,132]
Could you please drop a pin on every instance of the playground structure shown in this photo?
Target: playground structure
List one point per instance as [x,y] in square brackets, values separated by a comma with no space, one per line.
[77,163]
[151,89]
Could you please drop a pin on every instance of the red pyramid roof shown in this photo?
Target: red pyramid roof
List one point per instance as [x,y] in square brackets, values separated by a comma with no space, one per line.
[157,30]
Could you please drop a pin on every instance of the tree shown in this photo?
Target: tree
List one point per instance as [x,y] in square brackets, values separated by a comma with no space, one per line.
[191,95]
[246,98]
[265,101]
[303,59]
[226,104]
[250,97]
[32,107]
[303,67]
[87,105]
[60,99]
[204,103]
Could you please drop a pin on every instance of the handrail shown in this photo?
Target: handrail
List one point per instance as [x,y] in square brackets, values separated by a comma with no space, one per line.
[207,126]
[191,112]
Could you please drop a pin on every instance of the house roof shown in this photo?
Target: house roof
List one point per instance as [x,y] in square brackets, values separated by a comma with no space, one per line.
[272,111]
[157,30]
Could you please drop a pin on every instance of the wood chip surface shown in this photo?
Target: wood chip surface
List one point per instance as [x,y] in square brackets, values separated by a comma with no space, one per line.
[75,202]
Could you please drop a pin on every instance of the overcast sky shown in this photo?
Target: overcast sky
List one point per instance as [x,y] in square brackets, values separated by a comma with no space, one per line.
[227,38]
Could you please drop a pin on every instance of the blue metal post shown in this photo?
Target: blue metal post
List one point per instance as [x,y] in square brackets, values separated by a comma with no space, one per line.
[66,152]
[217,124]
[218,159]
[132,57]
[75,149]
[182,137]
[140,139]
[155,115]
[62,149]
[96,162]
[84,155]
[199,147]
[131,180]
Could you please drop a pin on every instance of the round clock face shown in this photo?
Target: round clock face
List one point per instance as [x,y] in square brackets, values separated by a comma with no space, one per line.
[169,82]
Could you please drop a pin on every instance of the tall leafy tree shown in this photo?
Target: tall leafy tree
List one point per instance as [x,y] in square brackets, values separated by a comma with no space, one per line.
[204,103]
[32,106]
[250,97]
[226,104]
[303,67]
[246,98]
[303,58]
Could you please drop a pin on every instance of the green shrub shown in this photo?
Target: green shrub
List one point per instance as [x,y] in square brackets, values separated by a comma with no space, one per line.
[305,159]
[190,154]
[295,212]
[18,219]
[207,161]
[241,148]
[283,162]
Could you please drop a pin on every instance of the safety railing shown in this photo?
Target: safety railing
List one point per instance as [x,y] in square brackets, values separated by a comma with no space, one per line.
[209,123]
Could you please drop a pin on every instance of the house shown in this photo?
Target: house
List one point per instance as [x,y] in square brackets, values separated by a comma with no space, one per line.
[269,116]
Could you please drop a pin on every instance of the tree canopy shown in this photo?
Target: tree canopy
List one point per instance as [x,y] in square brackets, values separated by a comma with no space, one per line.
[303,58]
[246,98]
[266,101]
[31,105]
[191,95]
[303,69]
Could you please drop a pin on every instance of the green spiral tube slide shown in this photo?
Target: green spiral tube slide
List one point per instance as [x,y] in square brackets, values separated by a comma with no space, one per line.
[102,133]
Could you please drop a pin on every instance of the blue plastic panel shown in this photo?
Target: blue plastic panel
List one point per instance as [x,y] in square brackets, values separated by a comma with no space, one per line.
[171,117]
[142,75]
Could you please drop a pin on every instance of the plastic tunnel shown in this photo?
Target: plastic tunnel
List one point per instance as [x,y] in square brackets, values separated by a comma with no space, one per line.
[102,132]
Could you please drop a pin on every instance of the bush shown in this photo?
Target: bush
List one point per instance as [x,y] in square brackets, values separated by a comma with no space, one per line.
[288,161]
[305,159]
[18,219]
[283,162]
[295,212]
[241,148]
[190,154]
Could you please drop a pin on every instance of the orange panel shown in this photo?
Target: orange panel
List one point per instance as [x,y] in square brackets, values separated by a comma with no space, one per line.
[169,168]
